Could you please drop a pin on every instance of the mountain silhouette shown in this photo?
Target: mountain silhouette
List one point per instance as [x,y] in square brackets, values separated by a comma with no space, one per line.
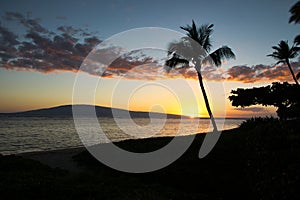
[84,110]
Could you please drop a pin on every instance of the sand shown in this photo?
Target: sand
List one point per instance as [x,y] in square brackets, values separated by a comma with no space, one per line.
[56,158]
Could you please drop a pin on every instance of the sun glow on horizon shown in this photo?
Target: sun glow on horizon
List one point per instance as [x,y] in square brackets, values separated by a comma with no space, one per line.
[176,96]
[192,116]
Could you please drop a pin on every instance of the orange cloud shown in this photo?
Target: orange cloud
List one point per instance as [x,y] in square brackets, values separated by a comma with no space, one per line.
[45,51]
[261,73]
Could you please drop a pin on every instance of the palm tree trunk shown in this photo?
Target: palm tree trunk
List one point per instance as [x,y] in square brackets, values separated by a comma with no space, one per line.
[207,102]
[291,70]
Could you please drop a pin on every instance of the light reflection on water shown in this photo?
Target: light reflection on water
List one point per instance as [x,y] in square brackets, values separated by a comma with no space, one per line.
[38,134]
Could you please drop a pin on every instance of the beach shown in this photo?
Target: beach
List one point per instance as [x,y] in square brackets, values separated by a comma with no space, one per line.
[249,162]
[56,158]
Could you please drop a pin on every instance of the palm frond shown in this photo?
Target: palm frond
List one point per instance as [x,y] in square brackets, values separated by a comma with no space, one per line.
[195,47]
[201,35]
[205,32]
[282,51]
[275,55]
[221,54]
[192,31]
[297,40]
[298,75]
[284,46]
[295,11]
[294,52]
[176,61]
[280,61]
[187,48]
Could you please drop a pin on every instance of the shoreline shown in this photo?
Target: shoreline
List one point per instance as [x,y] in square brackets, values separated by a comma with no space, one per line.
[60,158]
[28,153]
[63,158]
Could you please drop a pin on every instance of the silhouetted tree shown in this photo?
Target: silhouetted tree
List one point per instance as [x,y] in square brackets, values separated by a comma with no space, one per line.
[284,96]
[295,18]
[295,11]
[283,53]
[194,50]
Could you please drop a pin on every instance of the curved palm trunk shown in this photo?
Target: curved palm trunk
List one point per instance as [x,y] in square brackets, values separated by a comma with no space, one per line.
[291,70]
[206,101]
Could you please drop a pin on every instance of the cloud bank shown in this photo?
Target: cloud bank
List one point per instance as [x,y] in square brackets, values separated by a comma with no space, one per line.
[43,50]
[65,48]
[260,73]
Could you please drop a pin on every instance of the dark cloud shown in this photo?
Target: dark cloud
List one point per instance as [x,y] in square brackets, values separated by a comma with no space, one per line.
[43,50]
[7,38]
[69,30]
[65,48]
[31,24]
[150,69]
[259,73]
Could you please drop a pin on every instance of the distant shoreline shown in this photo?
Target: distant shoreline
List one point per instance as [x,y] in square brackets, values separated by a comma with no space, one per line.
[101,111]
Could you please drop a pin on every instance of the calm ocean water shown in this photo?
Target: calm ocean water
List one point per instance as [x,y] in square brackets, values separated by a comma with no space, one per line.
[20,135]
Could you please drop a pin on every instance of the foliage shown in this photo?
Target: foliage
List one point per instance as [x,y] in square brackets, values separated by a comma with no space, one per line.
[295,17]
[254,122]
[196,47]
[284,96]
[295,11]
[283,53]
[270,147]
[297,40]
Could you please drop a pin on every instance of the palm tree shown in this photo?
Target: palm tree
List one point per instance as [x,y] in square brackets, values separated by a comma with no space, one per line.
[193,50]
[283,53]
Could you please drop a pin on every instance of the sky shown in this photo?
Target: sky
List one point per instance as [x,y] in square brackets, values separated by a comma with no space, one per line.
[44,44]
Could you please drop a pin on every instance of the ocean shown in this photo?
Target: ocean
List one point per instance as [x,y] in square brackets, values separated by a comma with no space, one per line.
[29,134]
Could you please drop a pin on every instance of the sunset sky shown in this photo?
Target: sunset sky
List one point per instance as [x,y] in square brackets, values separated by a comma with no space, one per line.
[42,45]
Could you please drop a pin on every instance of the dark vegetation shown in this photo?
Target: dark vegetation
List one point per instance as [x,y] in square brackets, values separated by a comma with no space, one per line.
[259,160]
[284,96]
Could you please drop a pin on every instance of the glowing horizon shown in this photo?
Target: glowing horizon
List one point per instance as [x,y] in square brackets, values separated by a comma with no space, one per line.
[56,89]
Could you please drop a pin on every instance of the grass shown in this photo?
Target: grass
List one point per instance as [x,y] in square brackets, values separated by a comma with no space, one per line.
[259,160]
